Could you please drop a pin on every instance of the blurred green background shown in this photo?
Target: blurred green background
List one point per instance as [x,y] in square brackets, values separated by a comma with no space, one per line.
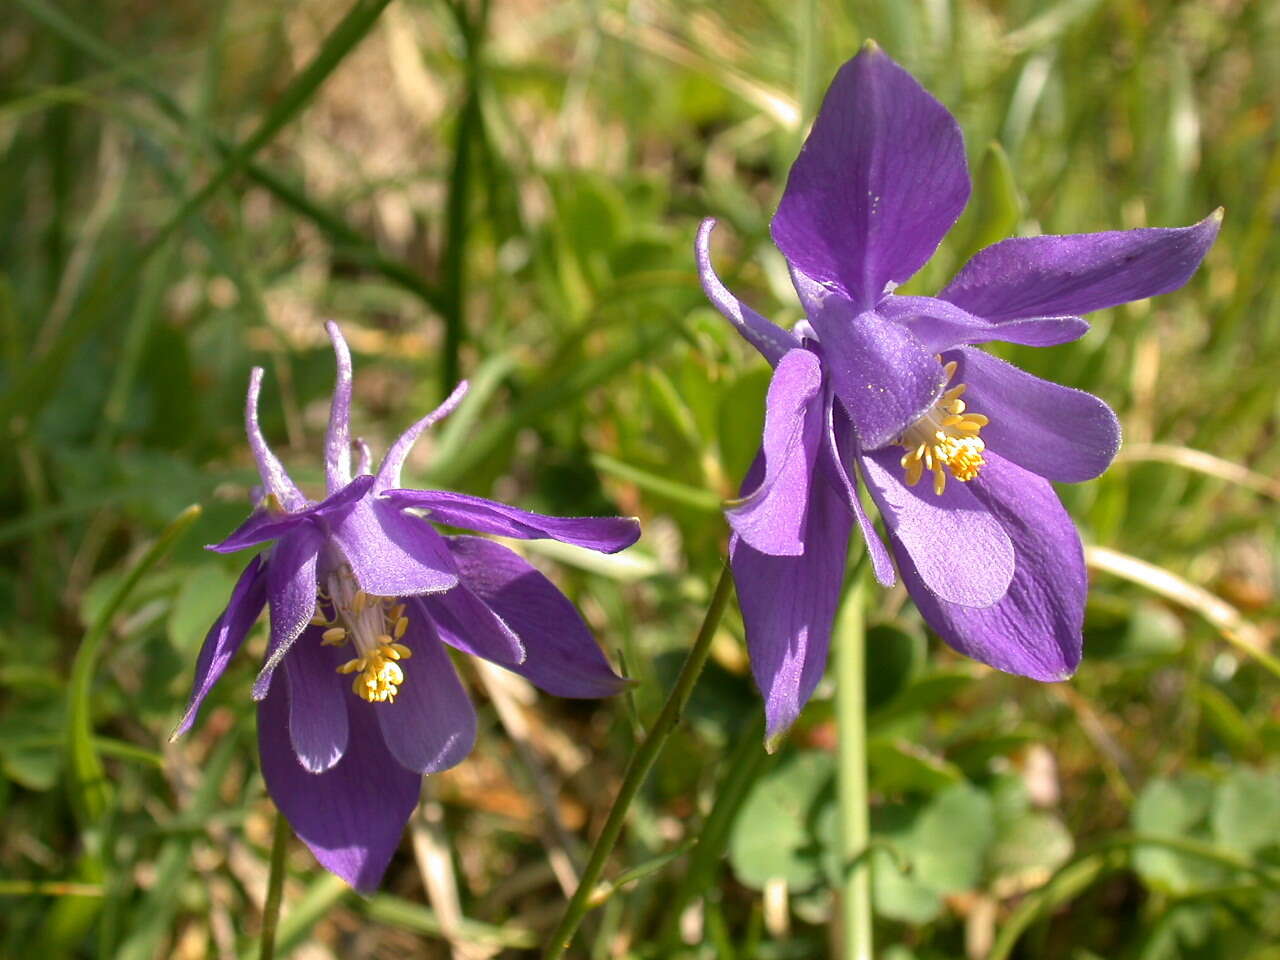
[507,190]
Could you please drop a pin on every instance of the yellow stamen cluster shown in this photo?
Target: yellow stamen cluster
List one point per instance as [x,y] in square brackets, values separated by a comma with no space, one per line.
[375,625]
[945,438]
[380,676]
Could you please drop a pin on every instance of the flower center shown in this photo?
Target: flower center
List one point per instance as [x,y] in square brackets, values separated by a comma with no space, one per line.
[374,625]
[945,438]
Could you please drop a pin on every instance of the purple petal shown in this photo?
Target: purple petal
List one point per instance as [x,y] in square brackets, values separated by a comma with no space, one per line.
[431,726]
[291,593]
[961,551]
[393,554]
[264,525]
[1077,273]
[337,440]
[1035,629]
[788,604]
[393,462]
[466,623]
[939,325]
[880,180]
[275,479]
[351,816]
[318,724]
[841,450]
[882,374]
[225,637]
[770,339]
[606,534]
[562,656]
[771,517]
[365,463]
[1060,433]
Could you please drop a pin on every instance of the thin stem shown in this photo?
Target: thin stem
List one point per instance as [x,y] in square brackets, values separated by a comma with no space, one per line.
[851,717]
[641,762]
[470,130]
[744,766]
[275,889]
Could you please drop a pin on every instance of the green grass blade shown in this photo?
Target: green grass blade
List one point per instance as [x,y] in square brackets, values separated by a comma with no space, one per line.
[87,786]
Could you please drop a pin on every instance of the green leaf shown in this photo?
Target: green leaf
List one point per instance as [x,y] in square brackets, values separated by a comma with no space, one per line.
[894,657]
[1028,849]
[944,844]
[1175,807]
[741,421]
[899,766]
[201,598]
[775,835]
[995,208]
[1245,817]
[88,786]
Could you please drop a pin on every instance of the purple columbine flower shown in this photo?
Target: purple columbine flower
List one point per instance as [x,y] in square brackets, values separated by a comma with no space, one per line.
[892,387]
[364,596]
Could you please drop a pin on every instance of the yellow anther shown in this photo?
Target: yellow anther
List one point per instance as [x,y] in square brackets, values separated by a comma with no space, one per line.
[334,637]
[273,504]
[402,624]
[319,620]
[944,439]
[380,676]
[360,602]
[396,612]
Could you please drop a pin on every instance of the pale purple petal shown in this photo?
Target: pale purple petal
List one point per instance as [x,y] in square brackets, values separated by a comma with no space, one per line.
[879,181]
[788,604]
[840,450]
[365,463]
[961,551]
[318,724]
[562,656]
[771,517]
[351,816]
[264,525]
[275,480]
[391,553]
[940,325]
[225,637]
[431,726]
[337,440]
[1062,434]
[882,374]
[606,534]
[467,623]
[1035,629]
[393,462]
[291,594]
[1077,273]
[769,338]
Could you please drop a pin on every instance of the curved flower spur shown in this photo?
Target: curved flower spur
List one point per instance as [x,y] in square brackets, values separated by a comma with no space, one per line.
[363,598]
[893,388]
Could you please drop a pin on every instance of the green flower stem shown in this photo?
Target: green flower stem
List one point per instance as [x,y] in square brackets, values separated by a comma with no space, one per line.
[275,889]
[851,718]
[641,762]
[744,767]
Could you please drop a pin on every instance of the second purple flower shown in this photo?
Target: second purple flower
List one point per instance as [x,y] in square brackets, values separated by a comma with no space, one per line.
[363,598]
[893,389]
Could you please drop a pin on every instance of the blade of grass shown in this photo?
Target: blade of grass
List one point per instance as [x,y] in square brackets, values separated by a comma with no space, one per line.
[642,760]
[87,786]
[151,921]
[470,131]
[342,39]
[671,489]
[236,157]
[1231,623]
